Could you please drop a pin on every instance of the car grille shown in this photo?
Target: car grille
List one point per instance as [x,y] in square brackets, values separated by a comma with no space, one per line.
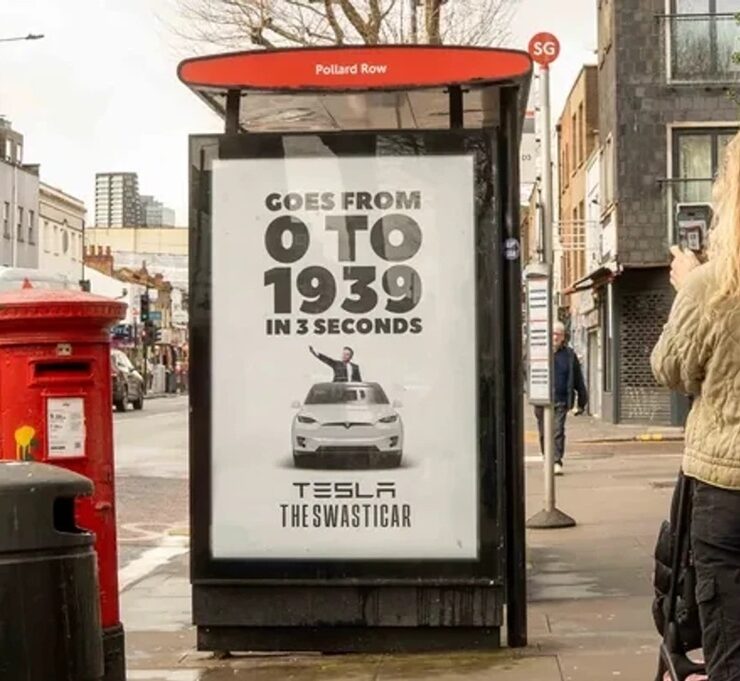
[348,451]
[346,424]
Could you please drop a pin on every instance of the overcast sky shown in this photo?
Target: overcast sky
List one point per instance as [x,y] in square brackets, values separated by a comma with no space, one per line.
[99,93]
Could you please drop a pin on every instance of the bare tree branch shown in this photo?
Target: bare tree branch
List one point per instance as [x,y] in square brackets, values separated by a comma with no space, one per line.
[331,17]
[432,16]
[354,18]
[280,23]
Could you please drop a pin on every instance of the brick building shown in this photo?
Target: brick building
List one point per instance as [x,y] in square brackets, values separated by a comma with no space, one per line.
[578,136]
[665,70]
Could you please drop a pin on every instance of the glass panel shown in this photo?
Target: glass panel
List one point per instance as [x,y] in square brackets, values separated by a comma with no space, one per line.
[703,46]
[728,6]
[691,6]
[692,48]
[694,165]
[728,41]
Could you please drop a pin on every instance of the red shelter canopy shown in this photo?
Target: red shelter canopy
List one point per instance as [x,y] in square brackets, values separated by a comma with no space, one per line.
[341,88]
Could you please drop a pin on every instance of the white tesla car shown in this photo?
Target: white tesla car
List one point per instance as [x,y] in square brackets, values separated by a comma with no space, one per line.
[347,425]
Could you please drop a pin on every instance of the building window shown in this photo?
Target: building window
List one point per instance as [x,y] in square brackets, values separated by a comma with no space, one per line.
[46,237]
[698,154]
[607,174]
[581,134]
[703,39]
[6,220]
[31,227]
[19,226]
[607,335]
[55,241]
[581,239]
[574,137]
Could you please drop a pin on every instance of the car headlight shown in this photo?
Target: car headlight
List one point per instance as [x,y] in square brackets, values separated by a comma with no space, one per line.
[389,419]
[306,419]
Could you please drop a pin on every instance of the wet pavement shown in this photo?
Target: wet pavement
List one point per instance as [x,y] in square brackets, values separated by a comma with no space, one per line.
[151,476]
[410,668]
[589,589]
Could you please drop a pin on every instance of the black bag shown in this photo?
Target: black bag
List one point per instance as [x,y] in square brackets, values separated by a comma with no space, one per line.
[675,610]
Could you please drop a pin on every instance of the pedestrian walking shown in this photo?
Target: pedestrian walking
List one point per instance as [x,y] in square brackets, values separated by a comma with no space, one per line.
[699,354]
[570,393]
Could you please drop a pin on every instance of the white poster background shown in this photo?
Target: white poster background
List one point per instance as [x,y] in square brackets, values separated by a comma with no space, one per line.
[257,377]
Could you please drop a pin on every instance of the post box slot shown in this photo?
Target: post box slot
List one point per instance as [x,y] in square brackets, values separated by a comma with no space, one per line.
[53,369]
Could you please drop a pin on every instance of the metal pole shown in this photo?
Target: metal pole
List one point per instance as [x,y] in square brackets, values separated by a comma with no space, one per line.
[14,217]
[550,516]
[145,348]
[547,218]
[513,454]
[30,36]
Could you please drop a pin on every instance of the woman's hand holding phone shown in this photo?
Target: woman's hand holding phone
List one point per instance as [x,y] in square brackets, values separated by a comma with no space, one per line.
[683,262]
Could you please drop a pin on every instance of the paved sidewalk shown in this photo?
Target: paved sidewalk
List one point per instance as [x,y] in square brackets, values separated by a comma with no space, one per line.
[589,429]
[590,594]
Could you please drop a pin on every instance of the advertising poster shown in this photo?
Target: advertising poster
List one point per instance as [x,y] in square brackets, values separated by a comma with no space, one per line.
[344,382]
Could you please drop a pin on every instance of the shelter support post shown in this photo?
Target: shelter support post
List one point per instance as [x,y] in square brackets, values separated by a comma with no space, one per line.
[233,105]
[516,562]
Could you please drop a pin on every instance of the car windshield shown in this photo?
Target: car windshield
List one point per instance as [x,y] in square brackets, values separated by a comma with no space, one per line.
[337,393]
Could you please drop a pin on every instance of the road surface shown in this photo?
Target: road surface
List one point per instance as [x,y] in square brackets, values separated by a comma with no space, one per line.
[151,455]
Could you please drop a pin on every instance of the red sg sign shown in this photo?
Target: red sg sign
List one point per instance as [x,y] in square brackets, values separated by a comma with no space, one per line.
[544,48]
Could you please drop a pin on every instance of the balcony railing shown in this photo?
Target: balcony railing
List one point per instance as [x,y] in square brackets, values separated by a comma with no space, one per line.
[702,48]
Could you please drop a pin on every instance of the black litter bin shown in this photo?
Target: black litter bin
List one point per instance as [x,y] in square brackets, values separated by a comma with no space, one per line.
[49,605]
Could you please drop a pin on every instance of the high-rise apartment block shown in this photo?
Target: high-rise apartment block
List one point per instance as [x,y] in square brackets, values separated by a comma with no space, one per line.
[156,214]
[117,200]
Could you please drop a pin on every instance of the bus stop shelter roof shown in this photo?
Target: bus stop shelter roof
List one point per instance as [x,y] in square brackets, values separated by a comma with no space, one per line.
[357,88]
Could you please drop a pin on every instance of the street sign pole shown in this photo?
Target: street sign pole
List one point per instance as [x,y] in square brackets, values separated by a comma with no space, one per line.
[544,49]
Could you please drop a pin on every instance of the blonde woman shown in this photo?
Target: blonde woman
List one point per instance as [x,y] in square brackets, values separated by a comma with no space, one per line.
[699,354]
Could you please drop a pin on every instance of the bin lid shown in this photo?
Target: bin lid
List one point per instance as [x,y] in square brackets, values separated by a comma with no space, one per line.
[43,305]
[37,507]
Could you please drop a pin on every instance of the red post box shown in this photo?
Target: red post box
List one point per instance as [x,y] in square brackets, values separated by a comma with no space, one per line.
[55,407]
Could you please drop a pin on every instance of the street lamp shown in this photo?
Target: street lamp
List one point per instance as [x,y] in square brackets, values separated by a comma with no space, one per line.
[30,36]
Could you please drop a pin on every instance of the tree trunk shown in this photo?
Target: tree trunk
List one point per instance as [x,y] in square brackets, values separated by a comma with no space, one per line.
[414,22]
[433,12]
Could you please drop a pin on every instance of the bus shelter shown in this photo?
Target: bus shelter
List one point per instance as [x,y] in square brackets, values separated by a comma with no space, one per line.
[355,309]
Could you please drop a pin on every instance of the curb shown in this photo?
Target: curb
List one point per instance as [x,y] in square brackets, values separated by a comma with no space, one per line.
[643,437]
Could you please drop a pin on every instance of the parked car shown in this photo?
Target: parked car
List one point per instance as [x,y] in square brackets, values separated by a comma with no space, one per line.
[128,384]
[347,425]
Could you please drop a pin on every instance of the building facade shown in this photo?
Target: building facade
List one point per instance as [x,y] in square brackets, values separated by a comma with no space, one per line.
[163,250]
[665,68]
[578,136]
[61,232]
[19,201]
[156,214]
[117,200]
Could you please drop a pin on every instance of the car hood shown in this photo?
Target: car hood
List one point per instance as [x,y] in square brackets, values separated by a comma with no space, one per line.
[329,413]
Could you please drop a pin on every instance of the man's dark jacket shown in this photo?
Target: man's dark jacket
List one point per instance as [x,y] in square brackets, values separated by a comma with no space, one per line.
[340,373]
[576,384]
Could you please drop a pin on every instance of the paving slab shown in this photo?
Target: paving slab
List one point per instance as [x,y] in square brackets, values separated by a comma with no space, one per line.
[503,666]
[454,667]
[589,587]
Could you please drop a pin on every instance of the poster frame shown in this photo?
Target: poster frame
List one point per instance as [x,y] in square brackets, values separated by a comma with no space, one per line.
[487,569]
